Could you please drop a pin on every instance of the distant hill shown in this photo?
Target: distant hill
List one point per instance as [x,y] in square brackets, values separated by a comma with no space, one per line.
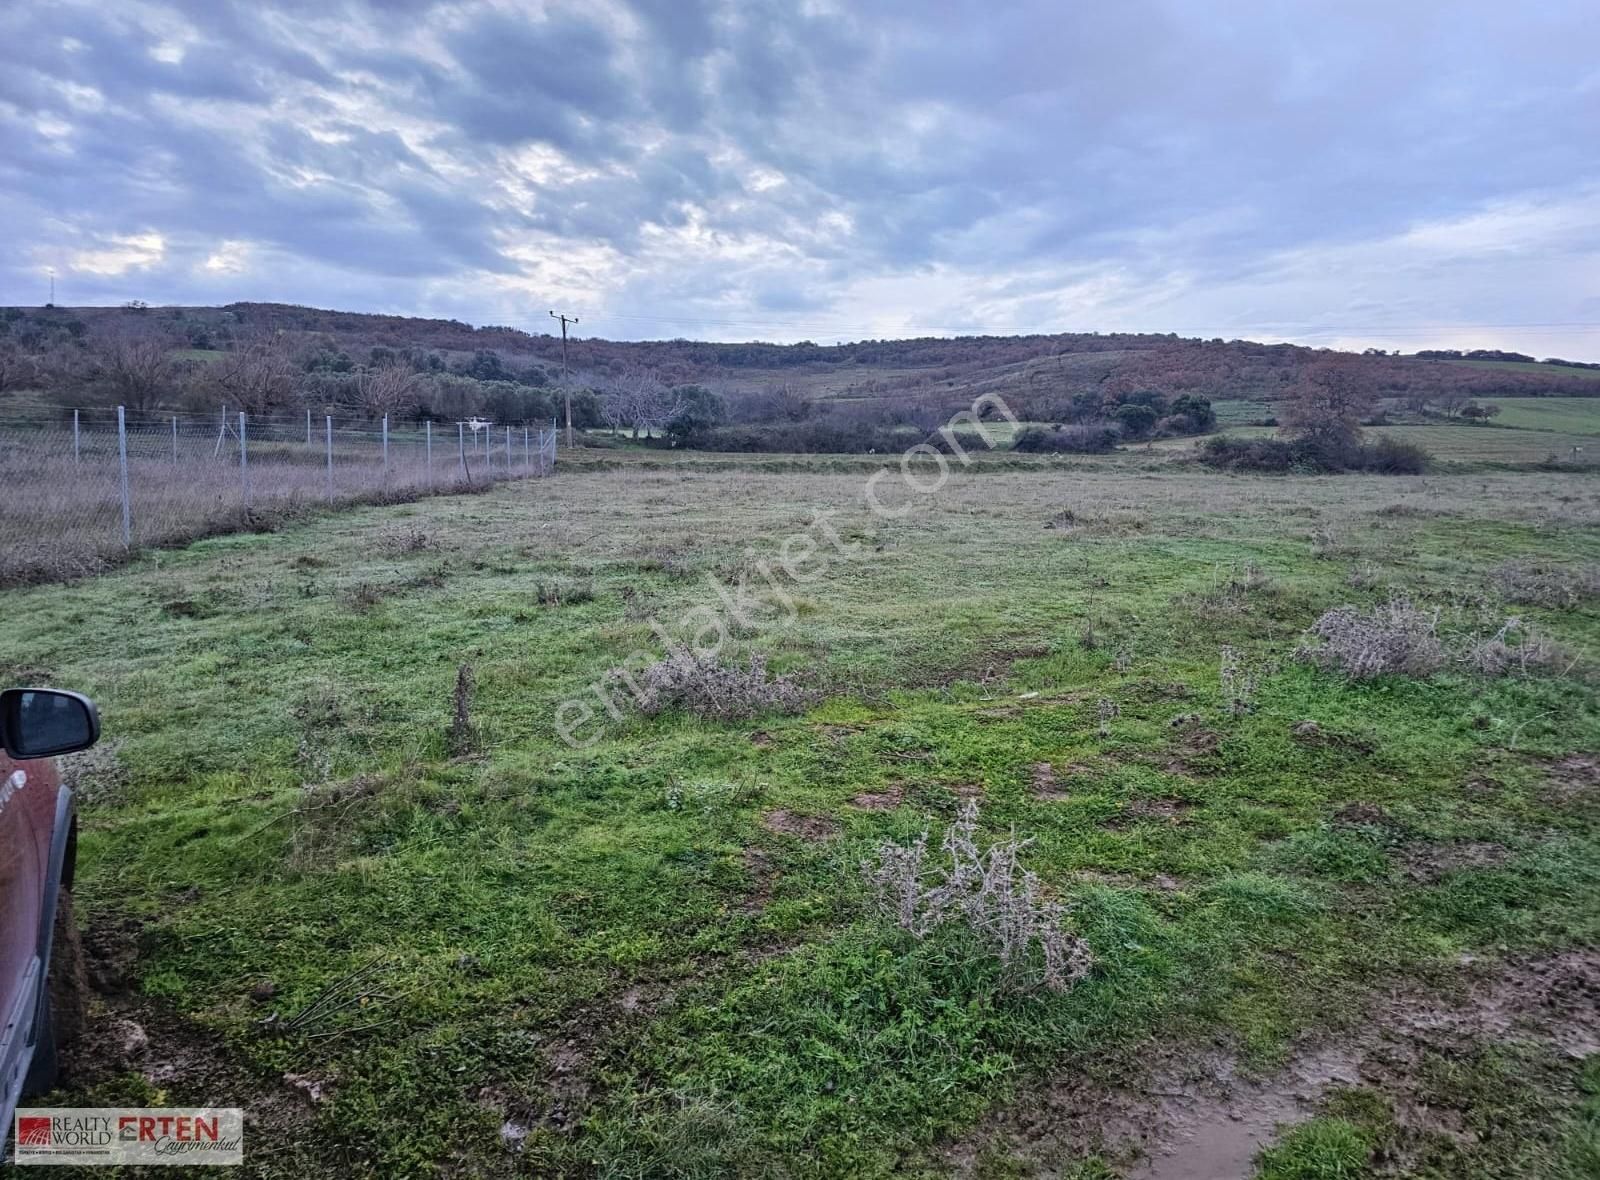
[1039,370]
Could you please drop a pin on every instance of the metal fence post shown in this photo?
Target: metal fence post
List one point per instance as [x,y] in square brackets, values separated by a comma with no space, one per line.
[308,426]
[74,436]
[427,436]
[329,422]
[461,444]
[122,463]
[508,450]
[244,462]
[174,440]
[525,464]
[386,446]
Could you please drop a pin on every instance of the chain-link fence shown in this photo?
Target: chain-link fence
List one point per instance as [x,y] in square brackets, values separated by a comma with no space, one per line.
[79,489]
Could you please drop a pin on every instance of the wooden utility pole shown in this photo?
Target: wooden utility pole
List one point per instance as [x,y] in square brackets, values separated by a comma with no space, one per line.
[566,385]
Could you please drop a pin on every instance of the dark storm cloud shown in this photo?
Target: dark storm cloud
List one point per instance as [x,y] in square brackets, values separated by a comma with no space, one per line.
[749,156]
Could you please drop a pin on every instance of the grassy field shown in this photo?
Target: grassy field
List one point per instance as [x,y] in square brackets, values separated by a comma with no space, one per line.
[1568,415]
[1462,447]
[1527,367]
[656,956]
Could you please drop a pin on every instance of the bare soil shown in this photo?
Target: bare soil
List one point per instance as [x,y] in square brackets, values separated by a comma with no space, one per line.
[1193,1114]
[807,827]
[885,800]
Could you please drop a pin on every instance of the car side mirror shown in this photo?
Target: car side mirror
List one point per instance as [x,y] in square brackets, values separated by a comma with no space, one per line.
[43,722]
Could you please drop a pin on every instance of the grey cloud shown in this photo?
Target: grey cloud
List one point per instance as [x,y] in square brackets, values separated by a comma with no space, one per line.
[1032,139]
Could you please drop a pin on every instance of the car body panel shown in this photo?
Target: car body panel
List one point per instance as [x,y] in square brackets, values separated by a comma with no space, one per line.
[31,808]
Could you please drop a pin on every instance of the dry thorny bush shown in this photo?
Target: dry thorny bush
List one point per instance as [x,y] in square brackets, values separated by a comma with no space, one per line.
[1240,680]
[1537,583]
[1400,638]
[708,687]
[989,894]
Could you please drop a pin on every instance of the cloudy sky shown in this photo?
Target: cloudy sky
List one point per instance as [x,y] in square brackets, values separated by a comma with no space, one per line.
[1400,173]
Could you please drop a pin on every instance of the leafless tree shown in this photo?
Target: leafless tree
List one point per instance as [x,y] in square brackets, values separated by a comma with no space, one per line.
[639,399]
[257,374]
[17,368]
[1329,402]
[388,389]
[134,366]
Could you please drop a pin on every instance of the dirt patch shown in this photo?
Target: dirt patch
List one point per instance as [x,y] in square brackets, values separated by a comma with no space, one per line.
[1195,755]
[1190,1113]
[885,800]
[97,774]
[1168,811]
[195,1065]
[111,954]
[1551,998]
[1575,778]
[761,739]
[1160,881]
[1362,814]
[763,876]
[1429,861]
[806,827]
[1043,784]
[1313,736]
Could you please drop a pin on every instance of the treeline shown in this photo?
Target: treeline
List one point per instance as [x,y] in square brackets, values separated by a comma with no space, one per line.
[268,357]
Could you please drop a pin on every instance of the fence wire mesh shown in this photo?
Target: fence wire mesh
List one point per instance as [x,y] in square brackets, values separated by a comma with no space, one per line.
[79,489]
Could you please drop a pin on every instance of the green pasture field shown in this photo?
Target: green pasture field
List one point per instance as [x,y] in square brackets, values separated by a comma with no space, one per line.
[657,956]
[1528,367]
[1567,415]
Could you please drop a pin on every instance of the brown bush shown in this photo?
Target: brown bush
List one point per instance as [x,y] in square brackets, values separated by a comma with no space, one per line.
[708,687]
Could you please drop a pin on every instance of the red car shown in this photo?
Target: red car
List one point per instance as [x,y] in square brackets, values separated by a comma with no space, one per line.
[41,969]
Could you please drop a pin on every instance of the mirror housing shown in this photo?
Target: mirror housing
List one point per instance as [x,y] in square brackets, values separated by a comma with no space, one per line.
[44,722]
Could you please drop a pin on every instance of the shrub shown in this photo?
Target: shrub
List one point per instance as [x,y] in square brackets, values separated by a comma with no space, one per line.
[1248,454]
[707,687]
[1240,681]
[1534,583]
[1136,421]
[816,436]
[1086,438]
[985,892]
[1401,639]
[1516,647]
[1396,638]
[1387,456]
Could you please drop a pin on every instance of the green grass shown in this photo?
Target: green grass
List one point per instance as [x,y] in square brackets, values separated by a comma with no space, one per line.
[1567,415]
[608,945]
[1464,447]
[1531,367]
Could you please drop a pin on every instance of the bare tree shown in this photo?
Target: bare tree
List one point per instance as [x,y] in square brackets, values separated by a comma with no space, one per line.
[17,369]
[614,403]
[639,399]
[387,389]
[654,404]
[1328,404]
[133,366]
[257,374]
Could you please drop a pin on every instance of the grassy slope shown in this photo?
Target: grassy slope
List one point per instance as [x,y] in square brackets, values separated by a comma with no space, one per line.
[1570,415]
[1461,446]
[1535,369]
[610,941]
